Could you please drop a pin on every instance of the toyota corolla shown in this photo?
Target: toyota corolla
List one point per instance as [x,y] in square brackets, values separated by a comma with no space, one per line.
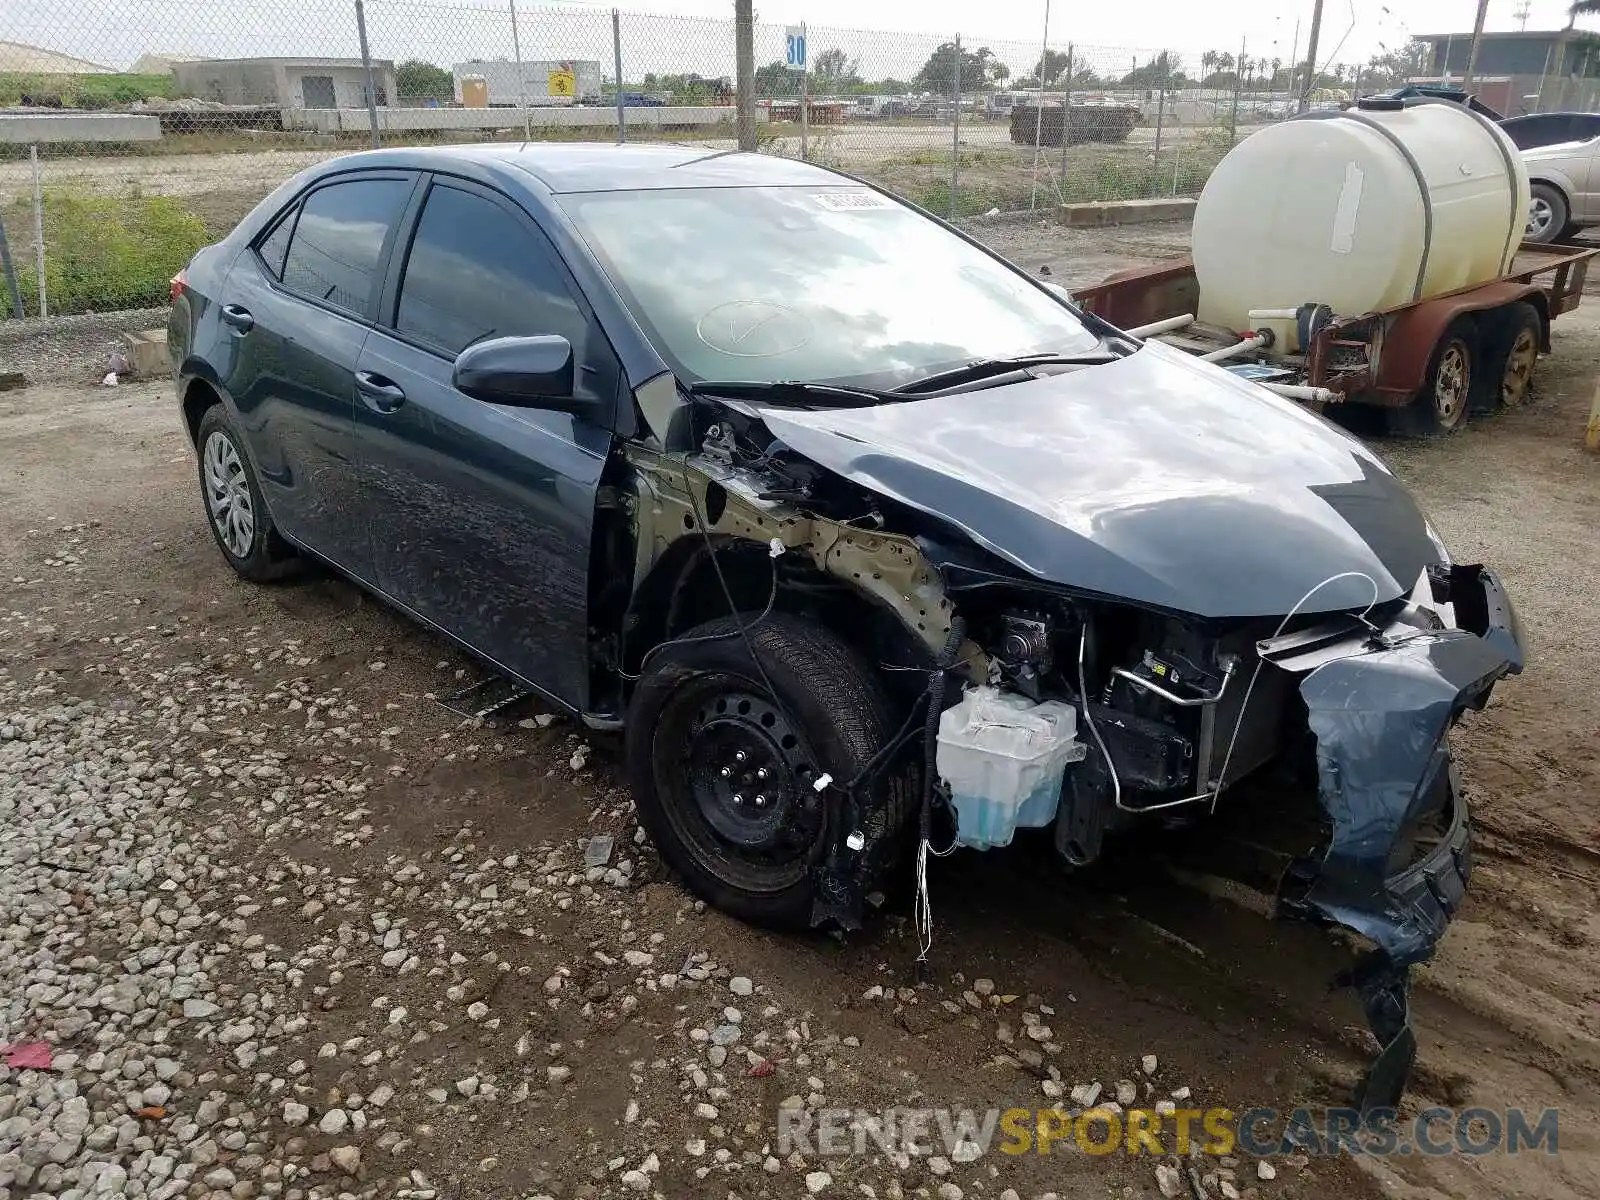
[867,541]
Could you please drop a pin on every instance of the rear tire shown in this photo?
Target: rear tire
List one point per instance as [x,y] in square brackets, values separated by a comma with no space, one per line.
[1441,406]
[1549,215]
[235,511]
[1511,340]
[706,741]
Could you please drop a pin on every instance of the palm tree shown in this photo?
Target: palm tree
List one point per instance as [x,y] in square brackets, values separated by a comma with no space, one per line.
[1581,8]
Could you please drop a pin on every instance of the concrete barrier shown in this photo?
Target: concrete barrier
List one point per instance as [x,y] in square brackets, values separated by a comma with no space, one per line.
[1126,212]
[147,351]
[420,120]
[27,128]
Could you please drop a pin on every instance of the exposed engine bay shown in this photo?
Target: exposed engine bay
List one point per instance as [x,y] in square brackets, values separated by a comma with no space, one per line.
[1098,715]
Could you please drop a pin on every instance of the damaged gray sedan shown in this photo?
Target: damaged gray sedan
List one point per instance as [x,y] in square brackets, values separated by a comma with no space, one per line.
[870,544]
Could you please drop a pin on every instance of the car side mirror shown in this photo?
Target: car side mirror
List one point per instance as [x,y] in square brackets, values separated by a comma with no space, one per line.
[524,372]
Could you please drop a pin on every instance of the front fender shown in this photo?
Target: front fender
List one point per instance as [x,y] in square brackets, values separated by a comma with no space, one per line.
[1543,172]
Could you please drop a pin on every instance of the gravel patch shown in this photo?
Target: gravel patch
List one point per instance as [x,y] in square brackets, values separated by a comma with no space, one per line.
[78,348]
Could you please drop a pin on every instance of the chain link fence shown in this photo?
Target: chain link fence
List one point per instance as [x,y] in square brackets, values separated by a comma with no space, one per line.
[135,132]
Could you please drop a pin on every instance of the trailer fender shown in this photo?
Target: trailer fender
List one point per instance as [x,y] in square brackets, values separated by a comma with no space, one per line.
[1137,296]
[1410,335]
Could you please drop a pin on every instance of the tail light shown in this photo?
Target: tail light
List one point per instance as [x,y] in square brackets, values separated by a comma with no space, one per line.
[180,281]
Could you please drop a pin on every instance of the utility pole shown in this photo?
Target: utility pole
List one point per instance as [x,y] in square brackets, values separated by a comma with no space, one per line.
[1477,37]
[1294,66]
[744,49]
[1310,81]
[372,105]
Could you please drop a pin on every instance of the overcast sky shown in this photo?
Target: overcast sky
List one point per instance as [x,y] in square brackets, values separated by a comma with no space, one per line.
[1189,26]
[658,38]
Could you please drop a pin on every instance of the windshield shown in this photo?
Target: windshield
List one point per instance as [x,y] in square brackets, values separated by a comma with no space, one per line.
[839,285]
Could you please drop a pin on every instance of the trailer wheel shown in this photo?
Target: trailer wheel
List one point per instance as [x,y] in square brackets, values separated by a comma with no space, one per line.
[1511,341]
[1441,406]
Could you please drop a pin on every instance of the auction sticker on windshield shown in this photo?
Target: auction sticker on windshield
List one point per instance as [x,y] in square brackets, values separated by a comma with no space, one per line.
[851,201]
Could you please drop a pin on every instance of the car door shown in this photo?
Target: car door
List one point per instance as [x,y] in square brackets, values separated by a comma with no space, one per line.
[1583,166]
[298,307]
[480,514]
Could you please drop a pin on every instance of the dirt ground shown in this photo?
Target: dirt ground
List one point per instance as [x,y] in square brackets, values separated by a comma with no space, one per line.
[111,590]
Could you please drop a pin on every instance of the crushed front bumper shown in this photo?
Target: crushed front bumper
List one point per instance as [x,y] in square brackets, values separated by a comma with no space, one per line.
[1380,705]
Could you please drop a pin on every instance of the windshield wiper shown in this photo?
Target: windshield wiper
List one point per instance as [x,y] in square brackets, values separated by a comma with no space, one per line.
[795,392]
[983,368]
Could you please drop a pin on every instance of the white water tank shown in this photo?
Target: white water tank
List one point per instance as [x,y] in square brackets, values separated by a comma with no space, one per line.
[1358,210]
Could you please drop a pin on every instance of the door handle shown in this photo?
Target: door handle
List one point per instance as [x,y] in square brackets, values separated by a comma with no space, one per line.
[237,316]
[378,393]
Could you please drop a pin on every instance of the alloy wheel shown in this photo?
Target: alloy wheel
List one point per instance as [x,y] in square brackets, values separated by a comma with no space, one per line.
[228,495]
[1540,216]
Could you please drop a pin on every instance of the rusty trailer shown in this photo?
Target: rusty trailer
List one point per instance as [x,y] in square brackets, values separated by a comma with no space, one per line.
[1429,363]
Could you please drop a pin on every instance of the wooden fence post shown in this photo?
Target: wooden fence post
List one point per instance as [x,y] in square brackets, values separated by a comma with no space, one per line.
[1592,438]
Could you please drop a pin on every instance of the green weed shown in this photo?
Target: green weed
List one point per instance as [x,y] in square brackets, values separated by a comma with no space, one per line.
[107,252]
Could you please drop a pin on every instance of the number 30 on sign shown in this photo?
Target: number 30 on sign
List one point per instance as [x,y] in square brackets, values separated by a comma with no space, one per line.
[795,47]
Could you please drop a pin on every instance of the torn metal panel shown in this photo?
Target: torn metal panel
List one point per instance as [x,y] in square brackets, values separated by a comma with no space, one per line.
[1380,715]
[891,568]
[1380,720]
[1399,853]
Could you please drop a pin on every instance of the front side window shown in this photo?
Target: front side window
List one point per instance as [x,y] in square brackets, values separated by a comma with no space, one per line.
[839,284]
[338,241]
[475,272]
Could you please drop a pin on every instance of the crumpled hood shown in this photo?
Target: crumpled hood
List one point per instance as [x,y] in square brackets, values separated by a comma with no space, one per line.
[1157,479]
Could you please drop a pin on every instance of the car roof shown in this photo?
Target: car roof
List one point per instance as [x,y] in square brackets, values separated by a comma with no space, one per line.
[606,167]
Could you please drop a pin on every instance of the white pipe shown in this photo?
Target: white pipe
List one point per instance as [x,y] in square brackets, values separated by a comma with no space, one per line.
[1155,327]
[1295,391]
[1274,314]
[1253,342]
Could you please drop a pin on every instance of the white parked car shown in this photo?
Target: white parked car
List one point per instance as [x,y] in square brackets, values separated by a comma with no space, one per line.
[1565,182]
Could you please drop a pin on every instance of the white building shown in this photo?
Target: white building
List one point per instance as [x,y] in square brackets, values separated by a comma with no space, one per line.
[286,82]
[541,82]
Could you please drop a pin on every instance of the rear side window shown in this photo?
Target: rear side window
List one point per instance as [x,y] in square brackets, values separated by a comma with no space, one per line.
[1549,129]
[337,242]
[477,272]
[274,245]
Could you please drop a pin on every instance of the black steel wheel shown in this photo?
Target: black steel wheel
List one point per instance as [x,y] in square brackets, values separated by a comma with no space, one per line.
[723,771]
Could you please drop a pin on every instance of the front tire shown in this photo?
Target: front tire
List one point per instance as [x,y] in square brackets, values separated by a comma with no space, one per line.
[723,771]
[235,511]
[1549,215]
